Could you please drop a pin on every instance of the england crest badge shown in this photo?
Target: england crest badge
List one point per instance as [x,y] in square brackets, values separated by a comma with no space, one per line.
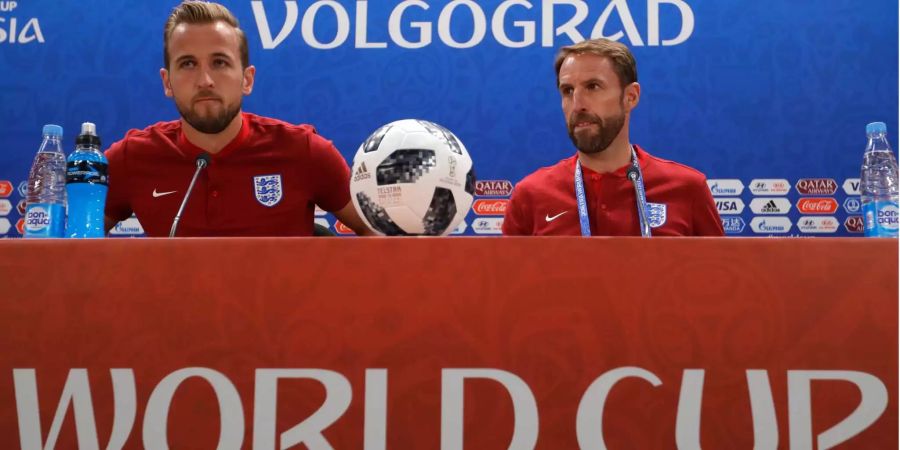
[268,189]
[656,214]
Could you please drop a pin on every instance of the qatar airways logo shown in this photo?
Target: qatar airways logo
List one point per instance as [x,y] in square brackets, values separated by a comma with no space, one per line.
[339,393]
[413,24]
[816,186]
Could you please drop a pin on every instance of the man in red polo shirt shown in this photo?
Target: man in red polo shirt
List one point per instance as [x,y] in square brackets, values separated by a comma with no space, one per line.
[597,81]
[264,176]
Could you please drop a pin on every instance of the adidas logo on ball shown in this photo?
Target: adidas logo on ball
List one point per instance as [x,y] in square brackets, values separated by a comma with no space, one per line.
[361,173]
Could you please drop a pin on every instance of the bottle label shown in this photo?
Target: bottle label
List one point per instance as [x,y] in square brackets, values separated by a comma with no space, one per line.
[84,171]
[882,218]
[45,220]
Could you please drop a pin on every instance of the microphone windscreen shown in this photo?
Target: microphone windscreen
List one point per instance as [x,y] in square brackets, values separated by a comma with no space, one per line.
[632,173]
[203,159]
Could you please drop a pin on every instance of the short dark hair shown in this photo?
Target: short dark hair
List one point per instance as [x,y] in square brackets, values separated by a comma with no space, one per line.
[618,54]
[201,12]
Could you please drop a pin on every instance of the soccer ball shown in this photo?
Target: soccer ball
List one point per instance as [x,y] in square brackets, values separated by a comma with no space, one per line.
[412,177]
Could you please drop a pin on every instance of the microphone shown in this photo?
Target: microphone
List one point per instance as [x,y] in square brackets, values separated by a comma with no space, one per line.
[633,175]
[202,162]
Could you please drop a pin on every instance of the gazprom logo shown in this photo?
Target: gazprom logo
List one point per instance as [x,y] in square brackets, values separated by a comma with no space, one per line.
[771,225]
[725,187]
[127,227]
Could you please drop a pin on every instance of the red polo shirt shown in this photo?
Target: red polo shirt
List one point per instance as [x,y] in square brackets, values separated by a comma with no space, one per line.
[265,182]
[544,202]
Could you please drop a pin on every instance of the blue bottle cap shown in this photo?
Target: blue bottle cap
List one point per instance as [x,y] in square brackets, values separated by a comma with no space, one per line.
[876,127]
[53,130]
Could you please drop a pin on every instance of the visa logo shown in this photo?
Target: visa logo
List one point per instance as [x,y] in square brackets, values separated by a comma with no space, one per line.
[729,205]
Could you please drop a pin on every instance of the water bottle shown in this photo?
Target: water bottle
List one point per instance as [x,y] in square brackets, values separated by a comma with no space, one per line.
[86,185]
[45,210]
[878,184]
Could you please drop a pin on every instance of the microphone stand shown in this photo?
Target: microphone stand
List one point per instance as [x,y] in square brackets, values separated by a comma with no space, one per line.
[202,162]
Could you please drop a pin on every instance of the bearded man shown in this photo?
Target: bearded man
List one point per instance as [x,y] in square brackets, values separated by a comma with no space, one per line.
[610,187]
[264,177]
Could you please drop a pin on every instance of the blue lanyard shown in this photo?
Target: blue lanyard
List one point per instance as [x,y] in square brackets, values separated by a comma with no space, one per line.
[639,193]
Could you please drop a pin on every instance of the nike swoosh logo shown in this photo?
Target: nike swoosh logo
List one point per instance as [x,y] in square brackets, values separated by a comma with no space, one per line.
[160,194]
[548,218]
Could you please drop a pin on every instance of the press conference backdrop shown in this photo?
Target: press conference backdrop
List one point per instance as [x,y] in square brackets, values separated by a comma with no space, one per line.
[768,99]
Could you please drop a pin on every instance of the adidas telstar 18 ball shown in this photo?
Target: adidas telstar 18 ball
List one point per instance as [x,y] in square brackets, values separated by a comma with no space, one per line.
[412,177]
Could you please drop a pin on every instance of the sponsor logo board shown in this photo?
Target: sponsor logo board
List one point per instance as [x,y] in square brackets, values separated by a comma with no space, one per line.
[490,207]
[6,188]
[488,225]
[322,222]
[817,205]
[5,207]
[816,186]
[852,205]
[20,226]
[851,186]
[771,225]
[818,224]
[128,227]
[770,205]
[733,225]
[725,187]
[729,205]
[340,228]
[765,186]
[493,188]
[854,224]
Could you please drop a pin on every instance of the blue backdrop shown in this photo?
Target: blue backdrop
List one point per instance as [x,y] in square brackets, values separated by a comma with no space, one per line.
[740,90]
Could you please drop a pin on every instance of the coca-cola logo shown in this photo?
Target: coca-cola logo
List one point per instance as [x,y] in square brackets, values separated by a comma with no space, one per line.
[484,207]
[854,224]
[817,205]
[816,186]
[493,188]
[20,226]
